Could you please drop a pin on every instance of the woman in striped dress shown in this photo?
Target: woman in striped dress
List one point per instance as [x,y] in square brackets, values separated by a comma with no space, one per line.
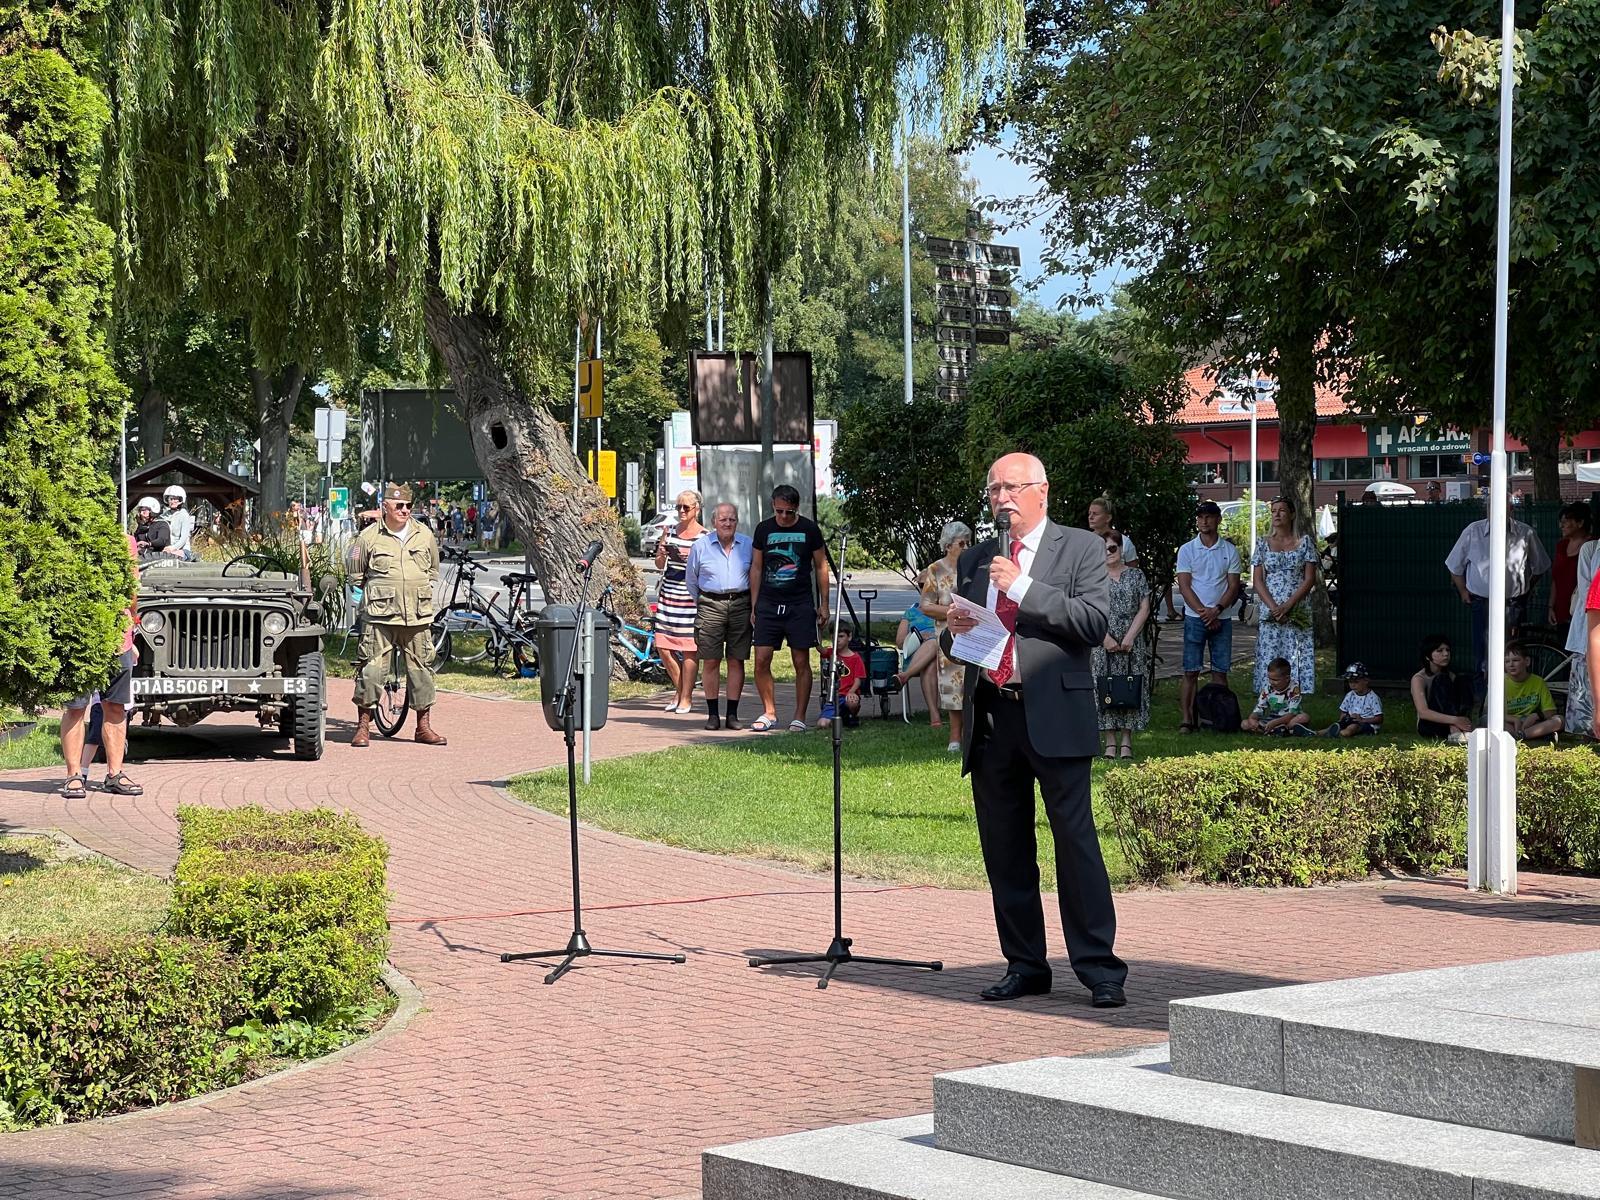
[675,607]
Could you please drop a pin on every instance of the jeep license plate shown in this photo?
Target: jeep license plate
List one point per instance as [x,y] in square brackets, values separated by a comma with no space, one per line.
[277,685]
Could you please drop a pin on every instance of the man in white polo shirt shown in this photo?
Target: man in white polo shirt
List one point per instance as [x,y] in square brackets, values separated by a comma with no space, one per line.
[1208,582]
[1468,564]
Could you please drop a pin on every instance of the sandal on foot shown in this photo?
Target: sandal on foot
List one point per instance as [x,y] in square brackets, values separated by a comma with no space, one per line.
[120,785]
[1110,752]
[73,789]
[762,723]
[1127,752]
[798,726]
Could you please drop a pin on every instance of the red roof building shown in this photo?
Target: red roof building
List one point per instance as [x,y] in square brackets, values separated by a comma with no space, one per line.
[1351,451]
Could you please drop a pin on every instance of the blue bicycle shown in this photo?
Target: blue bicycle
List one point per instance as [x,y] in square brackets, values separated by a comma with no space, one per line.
[641,659]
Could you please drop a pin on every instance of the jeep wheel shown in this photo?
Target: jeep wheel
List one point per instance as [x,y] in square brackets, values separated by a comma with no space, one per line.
[310,708]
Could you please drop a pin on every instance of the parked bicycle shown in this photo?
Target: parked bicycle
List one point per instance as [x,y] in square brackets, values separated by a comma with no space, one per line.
[641,658]
[463,628]
[474,627]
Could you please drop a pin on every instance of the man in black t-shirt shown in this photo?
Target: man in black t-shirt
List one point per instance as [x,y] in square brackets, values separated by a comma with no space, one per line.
[788,553]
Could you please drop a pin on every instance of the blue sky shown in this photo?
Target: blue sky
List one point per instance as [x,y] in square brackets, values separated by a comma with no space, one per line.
[998,177]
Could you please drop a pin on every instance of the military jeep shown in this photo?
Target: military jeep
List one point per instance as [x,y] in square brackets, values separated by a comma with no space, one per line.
[221,639]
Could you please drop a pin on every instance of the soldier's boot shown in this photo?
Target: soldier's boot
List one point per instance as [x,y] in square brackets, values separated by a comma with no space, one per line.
[363,735]
[425,731]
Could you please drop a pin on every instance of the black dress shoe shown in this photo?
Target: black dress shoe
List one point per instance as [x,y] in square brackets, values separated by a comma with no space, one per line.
[1014,987]
[713,722]
[731,723]
[1107,995]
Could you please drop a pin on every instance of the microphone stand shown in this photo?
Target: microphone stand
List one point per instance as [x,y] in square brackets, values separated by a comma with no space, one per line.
[838,951]
[578,945]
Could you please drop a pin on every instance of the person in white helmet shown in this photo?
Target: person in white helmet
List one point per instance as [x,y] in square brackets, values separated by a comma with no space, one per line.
[180,523]
[150,535]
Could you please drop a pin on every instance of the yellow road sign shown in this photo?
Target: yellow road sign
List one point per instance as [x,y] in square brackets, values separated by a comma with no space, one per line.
[590,387]
[607,479]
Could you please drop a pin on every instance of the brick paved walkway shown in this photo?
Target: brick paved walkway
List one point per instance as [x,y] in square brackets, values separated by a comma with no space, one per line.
[609,1083]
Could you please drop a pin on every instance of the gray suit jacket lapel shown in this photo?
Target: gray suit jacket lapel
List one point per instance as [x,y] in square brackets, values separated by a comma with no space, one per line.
[1044,561]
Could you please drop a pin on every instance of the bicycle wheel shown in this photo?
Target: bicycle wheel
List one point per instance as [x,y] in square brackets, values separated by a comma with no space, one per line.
[1552,663]
[524,647]
[464,633]
[394,701]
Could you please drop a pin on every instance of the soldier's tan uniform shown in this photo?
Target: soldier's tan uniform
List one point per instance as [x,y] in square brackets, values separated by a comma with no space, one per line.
[396,573]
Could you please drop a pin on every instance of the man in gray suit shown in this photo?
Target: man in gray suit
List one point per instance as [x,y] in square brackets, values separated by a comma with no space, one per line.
[1033,719]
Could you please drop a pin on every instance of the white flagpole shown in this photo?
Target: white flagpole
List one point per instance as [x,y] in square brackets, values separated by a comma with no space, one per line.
[1492,835]
[905,249]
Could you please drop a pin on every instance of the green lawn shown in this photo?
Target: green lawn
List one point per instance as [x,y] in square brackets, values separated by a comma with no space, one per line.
[47,892]
[39,747]
[907,810]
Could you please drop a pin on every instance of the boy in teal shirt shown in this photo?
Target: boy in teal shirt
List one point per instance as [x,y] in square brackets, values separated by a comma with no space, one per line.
[1530,708]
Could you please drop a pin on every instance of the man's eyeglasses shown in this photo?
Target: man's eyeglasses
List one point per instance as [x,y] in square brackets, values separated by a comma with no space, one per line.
[995,490]
[784,512]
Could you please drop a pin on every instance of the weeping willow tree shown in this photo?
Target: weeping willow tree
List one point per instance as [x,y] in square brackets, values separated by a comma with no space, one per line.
[483,172]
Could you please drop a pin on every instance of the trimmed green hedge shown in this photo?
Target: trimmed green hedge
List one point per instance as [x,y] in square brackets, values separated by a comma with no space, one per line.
[299,897]
[95,1029]
[278,916]
[1300,817]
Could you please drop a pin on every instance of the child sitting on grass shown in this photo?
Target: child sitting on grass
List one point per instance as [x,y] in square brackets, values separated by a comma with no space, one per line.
[852,671]
[1277,709]
[1360,712]
[1530,708]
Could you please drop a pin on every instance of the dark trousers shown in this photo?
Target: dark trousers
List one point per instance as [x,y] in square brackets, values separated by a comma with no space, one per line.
[1004,769]
[1516,614]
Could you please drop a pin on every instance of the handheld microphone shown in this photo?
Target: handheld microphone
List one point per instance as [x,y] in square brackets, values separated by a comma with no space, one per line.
[594,550]
[1002,525]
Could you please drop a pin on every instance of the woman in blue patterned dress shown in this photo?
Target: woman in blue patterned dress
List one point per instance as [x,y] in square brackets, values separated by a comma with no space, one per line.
[1283,572]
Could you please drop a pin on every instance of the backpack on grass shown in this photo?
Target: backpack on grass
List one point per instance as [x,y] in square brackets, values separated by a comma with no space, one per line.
[1216,708]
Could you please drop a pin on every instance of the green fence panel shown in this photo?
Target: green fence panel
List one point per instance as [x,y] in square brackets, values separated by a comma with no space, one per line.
[1394,589]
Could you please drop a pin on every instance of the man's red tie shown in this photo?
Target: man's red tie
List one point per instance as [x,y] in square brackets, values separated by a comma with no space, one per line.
[1006,609]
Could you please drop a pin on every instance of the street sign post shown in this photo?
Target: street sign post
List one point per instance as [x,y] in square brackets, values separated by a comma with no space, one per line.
[631,503]
[591,389]
[606,477]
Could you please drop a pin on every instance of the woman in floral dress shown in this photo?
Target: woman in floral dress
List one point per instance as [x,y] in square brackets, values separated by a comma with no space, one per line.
[938,585]
[1283,572]
[1124,651]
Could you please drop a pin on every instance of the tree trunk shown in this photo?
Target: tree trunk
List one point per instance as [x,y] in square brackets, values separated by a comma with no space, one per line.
[527,459]
[1297,430]
[276,396]
[1544,447]
[152,418]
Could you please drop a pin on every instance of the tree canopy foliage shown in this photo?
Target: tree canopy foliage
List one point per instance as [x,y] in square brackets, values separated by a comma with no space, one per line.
[484,172]
[1308,189]
[65,574]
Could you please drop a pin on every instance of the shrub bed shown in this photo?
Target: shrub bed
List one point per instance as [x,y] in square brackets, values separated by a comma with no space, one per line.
[110,1025]
[279,937]
[299,897]
[1300,817]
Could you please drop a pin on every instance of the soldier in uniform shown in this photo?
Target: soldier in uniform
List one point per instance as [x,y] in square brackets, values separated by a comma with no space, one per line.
[396,562]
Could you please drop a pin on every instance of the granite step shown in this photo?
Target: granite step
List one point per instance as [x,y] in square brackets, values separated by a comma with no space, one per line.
[884,1160]
[1509,1046]
[1146,1129]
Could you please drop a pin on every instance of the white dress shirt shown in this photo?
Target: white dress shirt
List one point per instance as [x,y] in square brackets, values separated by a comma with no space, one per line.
[1030,547]
[1525,558]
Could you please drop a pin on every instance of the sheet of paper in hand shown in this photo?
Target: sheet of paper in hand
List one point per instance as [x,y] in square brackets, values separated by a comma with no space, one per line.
[983,646]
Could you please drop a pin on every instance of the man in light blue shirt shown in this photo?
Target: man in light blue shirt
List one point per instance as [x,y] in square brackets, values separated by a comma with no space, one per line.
[718,574]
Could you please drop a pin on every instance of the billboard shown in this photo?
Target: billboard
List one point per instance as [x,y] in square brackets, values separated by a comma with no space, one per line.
[415,433]
[725,398]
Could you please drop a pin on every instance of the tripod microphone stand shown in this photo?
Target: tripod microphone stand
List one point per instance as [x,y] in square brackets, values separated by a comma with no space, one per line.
[838,951]
[566,701]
